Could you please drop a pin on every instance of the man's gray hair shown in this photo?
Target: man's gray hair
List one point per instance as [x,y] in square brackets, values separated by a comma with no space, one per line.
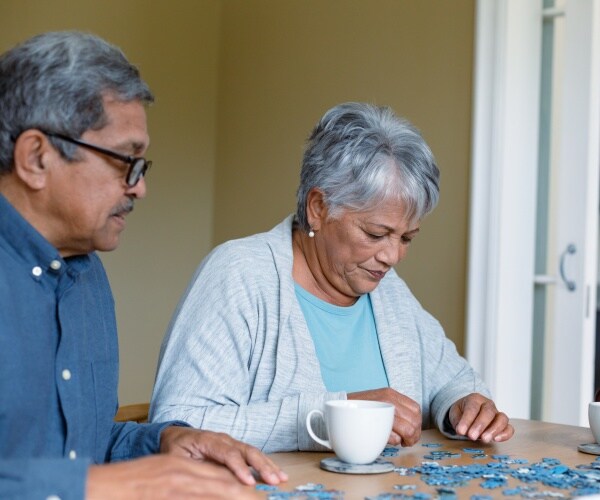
[360,155]
[56,82]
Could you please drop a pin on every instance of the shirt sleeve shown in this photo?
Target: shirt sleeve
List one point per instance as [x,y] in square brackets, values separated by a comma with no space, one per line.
[55,479]
[64,479]
[448,376]
[130,440]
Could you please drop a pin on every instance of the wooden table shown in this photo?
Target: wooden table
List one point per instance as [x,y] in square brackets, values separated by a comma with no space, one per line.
[532,441]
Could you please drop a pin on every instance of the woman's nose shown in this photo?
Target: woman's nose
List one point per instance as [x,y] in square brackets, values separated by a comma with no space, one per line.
[392,253]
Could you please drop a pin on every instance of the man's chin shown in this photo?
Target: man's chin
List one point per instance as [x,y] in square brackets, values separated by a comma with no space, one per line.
[107,245]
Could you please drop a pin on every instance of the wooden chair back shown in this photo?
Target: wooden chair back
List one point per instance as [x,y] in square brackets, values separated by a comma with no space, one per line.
[133,413]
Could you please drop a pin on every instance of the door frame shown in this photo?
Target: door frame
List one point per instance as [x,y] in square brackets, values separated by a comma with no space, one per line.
[569,376]
[503,199]
[503,207]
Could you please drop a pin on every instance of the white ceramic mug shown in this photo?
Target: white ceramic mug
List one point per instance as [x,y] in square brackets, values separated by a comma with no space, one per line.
[358,430]
[594,418]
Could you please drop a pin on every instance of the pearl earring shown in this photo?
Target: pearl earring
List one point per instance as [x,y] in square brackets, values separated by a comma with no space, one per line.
[311,233]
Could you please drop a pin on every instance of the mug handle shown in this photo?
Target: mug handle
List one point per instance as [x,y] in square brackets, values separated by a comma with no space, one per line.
[324,442]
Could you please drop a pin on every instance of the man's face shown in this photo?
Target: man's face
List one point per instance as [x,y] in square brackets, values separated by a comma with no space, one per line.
[89,197]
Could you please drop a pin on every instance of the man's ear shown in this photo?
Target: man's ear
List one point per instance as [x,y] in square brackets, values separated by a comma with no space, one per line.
[316,210]
[33,154]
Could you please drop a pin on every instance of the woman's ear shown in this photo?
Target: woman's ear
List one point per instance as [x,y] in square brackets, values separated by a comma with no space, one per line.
[316,210]
[32,154]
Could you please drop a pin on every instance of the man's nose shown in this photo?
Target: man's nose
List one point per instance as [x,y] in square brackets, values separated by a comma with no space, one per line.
[139,190]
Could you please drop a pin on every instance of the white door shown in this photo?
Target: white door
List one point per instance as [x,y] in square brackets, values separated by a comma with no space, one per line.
[541,369]
[568,327]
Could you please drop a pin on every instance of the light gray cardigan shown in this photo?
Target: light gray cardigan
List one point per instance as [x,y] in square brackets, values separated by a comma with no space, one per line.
[238,356]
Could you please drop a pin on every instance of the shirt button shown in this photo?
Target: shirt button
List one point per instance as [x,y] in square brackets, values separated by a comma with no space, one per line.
[55,264]
[66,374]
[37,271]
[72,454]
[53,497]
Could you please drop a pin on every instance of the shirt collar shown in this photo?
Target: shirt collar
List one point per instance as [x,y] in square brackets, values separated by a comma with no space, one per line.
[26,243]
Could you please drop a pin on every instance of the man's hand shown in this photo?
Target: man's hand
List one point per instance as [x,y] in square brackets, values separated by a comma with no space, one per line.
[406,429]
[223,449]
[160,477]
[476,417]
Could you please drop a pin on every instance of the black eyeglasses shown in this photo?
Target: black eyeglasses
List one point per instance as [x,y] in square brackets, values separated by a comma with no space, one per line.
[138,166]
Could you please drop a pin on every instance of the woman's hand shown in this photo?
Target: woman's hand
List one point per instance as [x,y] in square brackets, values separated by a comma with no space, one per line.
[406,430]
[476,417]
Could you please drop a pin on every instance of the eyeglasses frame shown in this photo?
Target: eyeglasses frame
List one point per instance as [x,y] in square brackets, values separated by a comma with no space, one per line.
[133,176]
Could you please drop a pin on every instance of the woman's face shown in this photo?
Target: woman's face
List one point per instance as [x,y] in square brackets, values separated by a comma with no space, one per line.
[356,249]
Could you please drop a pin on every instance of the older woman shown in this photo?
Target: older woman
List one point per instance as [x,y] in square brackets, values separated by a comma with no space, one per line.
[275,324]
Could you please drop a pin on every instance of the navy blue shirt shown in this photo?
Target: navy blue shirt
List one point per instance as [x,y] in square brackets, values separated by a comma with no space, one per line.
[58,368]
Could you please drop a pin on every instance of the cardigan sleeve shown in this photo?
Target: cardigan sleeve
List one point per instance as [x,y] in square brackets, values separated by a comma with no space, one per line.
[447,376]
[420,360]
[221,331]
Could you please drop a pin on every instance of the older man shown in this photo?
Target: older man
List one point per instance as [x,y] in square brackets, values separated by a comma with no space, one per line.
[72,132]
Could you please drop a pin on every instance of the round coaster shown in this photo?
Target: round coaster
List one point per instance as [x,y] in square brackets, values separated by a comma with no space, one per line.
[334,464]
[591,448]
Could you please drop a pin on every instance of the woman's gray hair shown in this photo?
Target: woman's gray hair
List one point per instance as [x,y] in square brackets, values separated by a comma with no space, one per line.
[56,82]
[360,155]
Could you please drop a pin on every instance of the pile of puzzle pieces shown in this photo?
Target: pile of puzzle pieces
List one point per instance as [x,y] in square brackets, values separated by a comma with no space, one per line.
[448,479]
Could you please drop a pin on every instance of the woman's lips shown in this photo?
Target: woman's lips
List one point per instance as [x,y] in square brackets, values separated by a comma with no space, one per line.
[378,275]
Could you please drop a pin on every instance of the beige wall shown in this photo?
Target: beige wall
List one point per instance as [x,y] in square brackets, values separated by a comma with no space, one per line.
[239,85]
[283,63]
[175,45]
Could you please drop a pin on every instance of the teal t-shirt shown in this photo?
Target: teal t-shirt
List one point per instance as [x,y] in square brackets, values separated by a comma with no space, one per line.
[346,342]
